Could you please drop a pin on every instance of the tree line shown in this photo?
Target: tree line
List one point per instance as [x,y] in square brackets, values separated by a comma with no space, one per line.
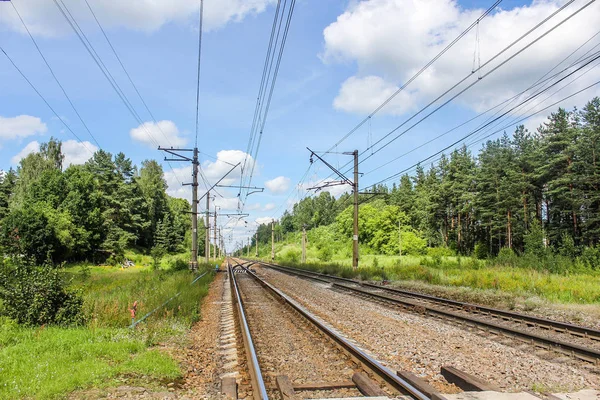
[50,214]
[543,185]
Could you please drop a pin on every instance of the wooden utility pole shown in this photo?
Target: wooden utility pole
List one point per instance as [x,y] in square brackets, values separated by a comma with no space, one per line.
[355,233]
[303,244]
[272,241]
[194,184]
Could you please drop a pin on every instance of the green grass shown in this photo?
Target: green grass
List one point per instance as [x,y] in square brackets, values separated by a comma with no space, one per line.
[47,363]
[50,362]
[576,287]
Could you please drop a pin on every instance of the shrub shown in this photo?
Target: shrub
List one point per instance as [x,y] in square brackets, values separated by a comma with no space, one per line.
[178,265]
[34,295]
[590,257]
[439,252]
[480,251]
[325,254]
[567,246]
[534,240]
[506,257]
[292,255]
[157,253]
[412,244]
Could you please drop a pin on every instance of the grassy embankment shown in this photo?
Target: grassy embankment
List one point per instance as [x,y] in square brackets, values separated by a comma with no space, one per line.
[50,362]
[495,279]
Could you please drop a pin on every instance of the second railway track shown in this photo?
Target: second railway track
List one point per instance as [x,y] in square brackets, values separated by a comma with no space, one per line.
[573,340]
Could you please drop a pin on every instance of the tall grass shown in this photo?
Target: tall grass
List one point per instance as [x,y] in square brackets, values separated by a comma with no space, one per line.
[578,287]
[49,362]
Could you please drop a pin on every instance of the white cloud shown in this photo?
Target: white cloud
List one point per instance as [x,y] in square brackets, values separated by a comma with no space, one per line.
[44,18]
[390,40]
[32,147]
[226,159]
[263,220]
[19,127]
[213,171]
[77,152]
[226,203]
[278,185]
[165,133]
[361,95]
[174,178]
[269,207]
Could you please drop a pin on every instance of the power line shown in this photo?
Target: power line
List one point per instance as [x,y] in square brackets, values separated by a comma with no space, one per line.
[45,101]
[415,76]
[540,81]
[507,112]
[114,51]
[198,79]
[277,41]
[53,74]
[476,81]
[98,60]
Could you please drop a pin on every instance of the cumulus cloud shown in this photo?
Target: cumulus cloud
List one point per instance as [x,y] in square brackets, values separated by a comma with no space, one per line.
[165,133]
[20,127]
[74,152]
[77,152]
[263,220]
[213,170]
[278,185]
[390,40]
[226,159]
[360,94]
[31,147]
[43,17]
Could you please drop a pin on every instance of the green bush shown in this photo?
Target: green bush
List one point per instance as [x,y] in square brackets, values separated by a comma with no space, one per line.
[325,254]
[507,258]
[480,251]
[567,246]
[439,252]
[34,295]
[590,257]
[178,265]
[292,255]
[413,244]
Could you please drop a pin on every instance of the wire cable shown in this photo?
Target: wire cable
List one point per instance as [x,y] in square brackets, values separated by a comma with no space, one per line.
[45,101]
[507,112]
[512,44]
[54,75]
[198,77]
[415,76]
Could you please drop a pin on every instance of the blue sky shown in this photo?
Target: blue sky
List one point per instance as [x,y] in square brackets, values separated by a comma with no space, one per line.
[341,60]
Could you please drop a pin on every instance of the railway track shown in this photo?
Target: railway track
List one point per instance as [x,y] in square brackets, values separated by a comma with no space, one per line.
[289,351]
[572,340]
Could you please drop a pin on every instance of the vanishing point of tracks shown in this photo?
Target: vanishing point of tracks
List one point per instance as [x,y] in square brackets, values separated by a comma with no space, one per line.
[290,351]
[573,340]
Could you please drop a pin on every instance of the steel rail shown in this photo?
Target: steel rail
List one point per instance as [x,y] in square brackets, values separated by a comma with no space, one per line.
[578,351]
[366,360]
[258,384]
